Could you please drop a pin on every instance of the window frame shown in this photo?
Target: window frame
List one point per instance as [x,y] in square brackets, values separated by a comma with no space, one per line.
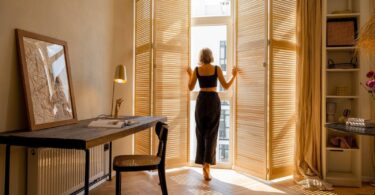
[227,95]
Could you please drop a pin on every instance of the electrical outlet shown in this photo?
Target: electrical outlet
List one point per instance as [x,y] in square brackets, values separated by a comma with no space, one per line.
[106,147]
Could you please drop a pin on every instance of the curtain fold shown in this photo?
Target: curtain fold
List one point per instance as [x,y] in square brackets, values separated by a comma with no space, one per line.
[309,121]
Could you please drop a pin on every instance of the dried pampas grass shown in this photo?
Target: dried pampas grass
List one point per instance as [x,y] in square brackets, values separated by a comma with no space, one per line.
[366,39]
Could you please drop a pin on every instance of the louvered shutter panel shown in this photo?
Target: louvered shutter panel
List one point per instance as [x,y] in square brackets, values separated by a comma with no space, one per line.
[250,134]
[143,70]
[171,56]
[282,87]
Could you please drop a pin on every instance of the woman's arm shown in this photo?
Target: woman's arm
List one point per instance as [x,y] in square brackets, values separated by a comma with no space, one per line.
[192,78]
[222,80]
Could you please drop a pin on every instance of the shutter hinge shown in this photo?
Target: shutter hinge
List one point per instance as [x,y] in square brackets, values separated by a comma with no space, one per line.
[265,64]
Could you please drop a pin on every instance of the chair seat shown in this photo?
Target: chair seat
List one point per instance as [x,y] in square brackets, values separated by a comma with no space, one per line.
[135,162]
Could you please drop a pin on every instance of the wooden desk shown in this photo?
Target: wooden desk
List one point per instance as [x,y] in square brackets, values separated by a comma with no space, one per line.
[76,136]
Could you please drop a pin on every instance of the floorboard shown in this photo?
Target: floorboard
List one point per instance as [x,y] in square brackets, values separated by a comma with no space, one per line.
[189,181]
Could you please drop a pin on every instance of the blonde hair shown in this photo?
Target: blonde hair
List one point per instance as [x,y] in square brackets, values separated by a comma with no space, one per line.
[205,56]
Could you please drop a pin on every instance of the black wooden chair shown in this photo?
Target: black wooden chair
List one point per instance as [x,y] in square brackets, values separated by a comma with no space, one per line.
[127,163]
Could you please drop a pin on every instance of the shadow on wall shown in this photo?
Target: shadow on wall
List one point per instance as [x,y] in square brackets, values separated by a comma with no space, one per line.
[16,113]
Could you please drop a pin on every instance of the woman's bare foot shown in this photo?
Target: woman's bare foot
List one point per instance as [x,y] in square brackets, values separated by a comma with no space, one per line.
[206,172]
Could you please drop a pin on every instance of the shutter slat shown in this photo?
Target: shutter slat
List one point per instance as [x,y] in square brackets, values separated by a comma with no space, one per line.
[250,135]
[171,55]
[282,87]
[143,41]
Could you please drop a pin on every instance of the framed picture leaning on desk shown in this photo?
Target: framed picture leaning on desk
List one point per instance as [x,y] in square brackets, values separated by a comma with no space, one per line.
[46,80]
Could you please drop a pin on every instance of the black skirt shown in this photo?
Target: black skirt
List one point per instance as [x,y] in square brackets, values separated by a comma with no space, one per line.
[207,118]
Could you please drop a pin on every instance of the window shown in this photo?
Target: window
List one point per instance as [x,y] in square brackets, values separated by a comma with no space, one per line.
[223,152]
[213,37]
[211,26]
[205,8]
[223,55]
[264,94]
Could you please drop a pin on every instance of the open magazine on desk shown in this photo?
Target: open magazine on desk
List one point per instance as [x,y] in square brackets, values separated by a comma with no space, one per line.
[111,123]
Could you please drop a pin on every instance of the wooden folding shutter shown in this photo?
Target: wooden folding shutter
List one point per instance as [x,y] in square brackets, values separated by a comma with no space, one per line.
[171,56]
[143,70]
[250,135]
[282,72]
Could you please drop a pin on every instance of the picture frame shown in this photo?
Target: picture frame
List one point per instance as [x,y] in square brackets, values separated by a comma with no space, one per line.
[47,81]
[341,32]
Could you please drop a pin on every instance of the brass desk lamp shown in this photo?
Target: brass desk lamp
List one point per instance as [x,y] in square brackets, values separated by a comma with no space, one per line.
[120,77]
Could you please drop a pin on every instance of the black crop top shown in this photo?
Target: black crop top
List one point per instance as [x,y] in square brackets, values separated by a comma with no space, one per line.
[207,81]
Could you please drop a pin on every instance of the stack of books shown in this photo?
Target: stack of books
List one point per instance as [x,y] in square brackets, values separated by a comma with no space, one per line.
[359,122]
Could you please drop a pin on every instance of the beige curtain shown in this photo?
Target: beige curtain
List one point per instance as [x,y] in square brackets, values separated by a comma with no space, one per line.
[308,127]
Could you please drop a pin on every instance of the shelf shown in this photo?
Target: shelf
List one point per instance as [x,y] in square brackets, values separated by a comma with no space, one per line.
[342,69]
[347,15]
[341,175]
[340,48]
[341,97]
[330,148]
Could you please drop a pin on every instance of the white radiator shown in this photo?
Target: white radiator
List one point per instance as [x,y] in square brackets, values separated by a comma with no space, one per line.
[61,171]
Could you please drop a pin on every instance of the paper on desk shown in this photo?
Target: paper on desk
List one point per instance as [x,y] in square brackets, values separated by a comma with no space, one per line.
[109,123]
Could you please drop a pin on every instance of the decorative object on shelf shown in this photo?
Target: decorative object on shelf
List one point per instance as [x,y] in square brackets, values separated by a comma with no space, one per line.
[352,64]
[331,108]
[370,83]
[46,80]
[341,32]
[331,112]
[345,115]
[342,90]
[359,122]
[120,77]
[345,142]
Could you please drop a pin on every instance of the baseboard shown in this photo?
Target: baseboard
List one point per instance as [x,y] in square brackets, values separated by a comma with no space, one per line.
[93,184]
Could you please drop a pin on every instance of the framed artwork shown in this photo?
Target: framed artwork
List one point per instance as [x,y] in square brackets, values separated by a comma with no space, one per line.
[341,32]
[46,80]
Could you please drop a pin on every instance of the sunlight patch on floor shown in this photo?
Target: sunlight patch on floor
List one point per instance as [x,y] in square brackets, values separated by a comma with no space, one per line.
[233,178]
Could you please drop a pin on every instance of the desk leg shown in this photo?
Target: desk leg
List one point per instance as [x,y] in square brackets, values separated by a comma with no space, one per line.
[7,169]
[87,171]
[110,162]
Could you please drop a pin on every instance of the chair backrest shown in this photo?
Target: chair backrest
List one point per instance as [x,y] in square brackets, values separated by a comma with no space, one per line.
[162,133]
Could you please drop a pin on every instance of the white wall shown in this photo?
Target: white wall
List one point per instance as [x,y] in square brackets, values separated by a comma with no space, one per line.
[123,54]
[99,34]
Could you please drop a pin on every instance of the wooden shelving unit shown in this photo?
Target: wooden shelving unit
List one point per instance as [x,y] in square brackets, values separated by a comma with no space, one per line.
[348,15]
[341,167]
[339,48]
[342,97]
[343,70]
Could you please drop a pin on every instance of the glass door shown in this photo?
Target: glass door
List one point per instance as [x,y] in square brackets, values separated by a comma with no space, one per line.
[211,26]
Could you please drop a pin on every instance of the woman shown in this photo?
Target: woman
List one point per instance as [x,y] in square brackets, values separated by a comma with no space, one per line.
[207,110]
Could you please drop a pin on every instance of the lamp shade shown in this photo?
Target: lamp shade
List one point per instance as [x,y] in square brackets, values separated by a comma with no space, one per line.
[120,74]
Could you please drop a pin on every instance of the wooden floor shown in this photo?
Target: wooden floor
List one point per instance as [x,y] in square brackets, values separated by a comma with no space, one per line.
[188,181]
